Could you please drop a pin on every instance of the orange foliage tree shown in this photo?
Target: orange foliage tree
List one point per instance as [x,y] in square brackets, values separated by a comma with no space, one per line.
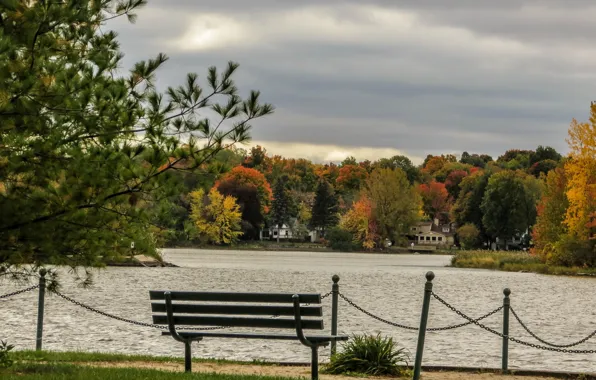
[351,177]
[360,221]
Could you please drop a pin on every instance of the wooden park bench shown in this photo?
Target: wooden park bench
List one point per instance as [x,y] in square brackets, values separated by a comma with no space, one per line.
[248,310]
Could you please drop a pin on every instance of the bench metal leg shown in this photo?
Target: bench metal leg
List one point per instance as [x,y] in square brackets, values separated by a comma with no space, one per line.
[314,365]
[187,357]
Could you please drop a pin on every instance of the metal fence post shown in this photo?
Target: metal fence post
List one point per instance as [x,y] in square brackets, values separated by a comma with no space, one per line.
[334,306]
[505,353]
[428,289]
[40,307]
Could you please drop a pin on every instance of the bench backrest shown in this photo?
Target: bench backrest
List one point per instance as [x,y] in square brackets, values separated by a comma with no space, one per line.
[237,309]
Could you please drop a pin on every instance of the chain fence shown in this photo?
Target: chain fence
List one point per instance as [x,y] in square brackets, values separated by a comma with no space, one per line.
[19,292]
[395,324]
[510,338]
[547,346]
[525,327]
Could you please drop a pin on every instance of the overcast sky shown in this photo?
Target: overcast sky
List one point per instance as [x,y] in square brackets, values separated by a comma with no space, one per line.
[383,77]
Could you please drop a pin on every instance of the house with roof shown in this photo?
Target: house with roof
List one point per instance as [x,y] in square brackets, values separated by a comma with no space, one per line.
[433,233]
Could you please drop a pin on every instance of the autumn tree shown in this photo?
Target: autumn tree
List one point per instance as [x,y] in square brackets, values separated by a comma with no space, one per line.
[435,199]
[396,203]
[580,170]
[351,177]
[216,218]
[86,147]
[551,211]
[360,221]
[325,210]
[453,182]
[253,194]
[280,208]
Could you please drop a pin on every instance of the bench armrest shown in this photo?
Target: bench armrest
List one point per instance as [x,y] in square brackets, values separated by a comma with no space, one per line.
[298,319]
[170,315]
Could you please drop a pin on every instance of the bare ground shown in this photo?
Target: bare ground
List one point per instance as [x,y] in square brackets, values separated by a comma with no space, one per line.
[298,372]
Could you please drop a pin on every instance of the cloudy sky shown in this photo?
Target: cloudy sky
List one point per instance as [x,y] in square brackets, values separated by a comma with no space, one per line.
[382,77]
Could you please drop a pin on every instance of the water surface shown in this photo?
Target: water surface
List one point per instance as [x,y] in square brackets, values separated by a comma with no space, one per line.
[560,309]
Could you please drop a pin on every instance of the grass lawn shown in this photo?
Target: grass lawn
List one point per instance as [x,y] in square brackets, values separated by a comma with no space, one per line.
[80,365]
[60,371]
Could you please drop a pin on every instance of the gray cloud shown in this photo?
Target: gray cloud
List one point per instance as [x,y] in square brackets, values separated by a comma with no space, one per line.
[417,76]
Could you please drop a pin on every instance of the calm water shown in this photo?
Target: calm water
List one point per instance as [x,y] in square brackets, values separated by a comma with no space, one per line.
[560,309]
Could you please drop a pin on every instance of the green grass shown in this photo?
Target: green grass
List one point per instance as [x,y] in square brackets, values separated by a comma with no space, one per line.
[35,371]
[513,262]
[75,356]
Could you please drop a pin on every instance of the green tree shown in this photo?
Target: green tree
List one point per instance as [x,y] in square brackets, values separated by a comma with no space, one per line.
[84,150]
[280,207]
[509,204]
[467,207]
[401,162]
[396,203]
[325,210]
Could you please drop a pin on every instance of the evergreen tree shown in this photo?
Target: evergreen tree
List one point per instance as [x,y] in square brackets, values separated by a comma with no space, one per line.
[326,207]
[85,150]
[280,207]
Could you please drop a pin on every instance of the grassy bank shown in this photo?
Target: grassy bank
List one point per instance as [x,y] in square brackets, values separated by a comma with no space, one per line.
[513,262]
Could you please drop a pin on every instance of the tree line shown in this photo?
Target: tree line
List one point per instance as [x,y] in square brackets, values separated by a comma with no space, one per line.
[365,204]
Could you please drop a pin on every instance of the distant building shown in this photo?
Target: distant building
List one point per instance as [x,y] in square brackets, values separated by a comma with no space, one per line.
[433,233]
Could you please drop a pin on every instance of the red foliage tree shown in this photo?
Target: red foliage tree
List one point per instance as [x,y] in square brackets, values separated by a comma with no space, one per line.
[253,192]
[453,181]
[435,198]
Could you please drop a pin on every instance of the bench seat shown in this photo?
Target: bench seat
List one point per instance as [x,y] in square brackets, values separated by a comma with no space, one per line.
[312,338]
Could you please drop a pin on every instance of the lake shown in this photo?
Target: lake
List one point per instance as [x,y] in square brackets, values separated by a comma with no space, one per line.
[559,309]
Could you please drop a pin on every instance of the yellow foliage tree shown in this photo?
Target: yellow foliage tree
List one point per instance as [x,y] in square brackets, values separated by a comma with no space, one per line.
[216,218]
[581,176]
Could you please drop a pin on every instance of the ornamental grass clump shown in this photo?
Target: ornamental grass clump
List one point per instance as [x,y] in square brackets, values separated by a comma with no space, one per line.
[372,355]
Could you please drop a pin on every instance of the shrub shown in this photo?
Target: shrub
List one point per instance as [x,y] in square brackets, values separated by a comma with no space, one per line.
[370,355]
[340,239]
[468,235]
[5,349]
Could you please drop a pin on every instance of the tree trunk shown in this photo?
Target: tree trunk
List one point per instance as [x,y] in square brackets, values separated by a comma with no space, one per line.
[278,233]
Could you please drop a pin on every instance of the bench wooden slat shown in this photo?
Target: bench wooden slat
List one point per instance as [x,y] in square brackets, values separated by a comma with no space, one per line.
[315,338]
[276,323]
[305,311]
[235,297]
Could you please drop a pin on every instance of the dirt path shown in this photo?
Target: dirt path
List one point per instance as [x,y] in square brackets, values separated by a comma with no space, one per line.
[291,371]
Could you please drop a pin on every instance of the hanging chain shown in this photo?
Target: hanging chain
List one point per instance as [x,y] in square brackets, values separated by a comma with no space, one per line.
[130,320]
[19,292]
[512,339]
[416,328]
[590,336]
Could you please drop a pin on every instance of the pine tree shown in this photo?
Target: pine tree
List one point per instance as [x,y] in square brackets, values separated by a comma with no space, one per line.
[280,208]
[326,207]
[85,150]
